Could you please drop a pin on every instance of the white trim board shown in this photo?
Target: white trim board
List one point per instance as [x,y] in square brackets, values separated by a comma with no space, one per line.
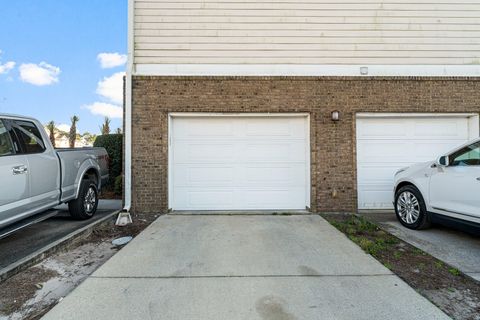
[306,70]
[173,115]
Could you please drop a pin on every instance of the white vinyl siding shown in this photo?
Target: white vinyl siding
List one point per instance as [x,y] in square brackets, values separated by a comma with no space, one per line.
[324,32]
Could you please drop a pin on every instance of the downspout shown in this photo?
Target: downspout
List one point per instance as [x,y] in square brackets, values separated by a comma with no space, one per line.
[128,109]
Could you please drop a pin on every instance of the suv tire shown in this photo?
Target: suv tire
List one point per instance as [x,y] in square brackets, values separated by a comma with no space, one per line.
[410,208]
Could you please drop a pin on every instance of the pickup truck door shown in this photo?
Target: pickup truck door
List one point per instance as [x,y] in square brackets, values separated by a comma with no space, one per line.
[43,165]
[14,177]
[456,188]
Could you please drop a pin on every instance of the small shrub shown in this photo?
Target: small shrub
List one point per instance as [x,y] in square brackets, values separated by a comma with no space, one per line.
[113,143]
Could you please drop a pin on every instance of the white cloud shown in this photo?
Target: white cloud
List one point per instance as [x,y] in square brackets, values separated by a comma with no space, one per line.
[42,74]
[111,60]
[63,127]
[111,88]
[105,109]
[6,67]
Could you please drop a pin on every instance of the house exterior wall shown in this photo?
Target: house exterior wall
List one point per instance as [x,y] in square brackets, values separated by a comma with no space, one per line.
[314,32]
[333,159]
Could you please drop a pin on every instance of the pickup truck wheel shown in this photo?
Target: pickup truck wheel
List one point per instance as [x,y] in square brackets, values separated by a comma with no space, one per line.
[410,208]
[85,206]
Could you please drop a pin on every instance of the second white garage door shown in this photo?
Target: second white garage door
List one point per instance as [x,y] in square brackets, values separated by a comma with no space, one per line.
[239,162]
[386,144]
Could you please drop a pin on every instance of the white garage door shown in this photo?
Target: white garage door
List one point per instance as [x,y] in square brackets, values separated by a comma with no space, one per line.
[238,163]
[385,145]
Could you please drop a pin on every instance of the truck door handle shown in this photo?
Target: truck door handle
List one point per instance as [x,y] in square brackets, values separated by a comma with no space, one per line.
[19,170]
[478,178]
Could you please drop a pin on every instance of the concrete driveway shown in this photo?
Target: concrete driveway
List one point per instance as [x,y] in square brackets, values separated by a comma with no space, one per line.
[243,267]
[455,247]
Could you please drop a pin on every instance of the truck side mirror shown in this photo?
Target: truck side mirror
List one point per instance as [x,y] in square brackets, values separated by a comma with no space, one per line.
[442,161]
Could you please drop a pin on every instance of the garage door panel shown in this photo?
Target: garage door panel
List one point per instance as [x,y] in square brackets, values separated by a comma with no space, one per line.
[199,127]
[381,151]
[249,198]
[404,150]
[203,152]
[291,176]
[261,165]
[277,199]
[385,145]
[440,129]
[390,129]
[277,127]
[275,152]
[257,128]
[240,176]
[207,200]
[376,197]
[424,150]
[197,175]
[374,174]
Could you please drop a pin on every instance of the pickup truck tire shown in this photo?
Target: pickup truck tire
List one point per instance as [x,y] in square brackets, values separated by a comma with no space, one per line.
[410,208]
[85,206]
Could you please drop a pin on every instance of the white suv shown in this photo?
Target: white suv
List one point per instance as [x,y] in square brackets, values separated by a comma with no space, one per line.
[447,189]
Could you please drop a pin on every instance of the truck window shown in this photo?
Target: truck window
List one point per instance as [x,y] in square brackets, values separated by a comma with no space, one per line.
[6,145]
[29,137]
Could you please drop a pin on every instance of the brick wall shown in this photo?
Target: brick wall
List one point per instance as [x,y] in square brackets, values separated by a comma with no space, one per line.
[332,143]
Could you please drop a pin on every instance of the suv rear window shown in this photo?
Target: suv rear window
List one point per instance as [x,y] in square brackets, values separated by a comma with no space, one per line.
[29,136]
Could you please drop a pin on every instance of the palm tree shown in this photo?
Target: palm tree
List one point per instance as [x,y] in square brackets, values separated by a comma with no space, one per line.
[73,131]
[105,127]
[51,132]
[89,138]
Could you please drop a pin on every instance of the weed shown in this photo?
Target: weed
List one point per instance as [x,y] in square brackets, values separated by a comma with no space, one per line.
[417,251]
[391,240]
[397,254]
[439,264]
[350,230]
[454,271]
[365,244]
[388,265]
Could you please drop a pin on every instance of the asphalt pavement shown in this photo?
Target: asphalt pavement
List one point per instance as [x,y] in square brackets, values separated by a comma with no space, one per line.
[32,239]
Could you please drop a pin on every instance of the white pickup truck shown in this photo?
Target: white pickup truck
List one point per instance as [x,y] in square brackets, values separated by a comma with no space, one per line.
[35,177]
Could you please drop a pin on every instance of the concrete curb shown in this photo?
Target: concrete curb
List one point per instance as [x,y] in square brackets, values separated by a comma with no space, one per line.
[56,246]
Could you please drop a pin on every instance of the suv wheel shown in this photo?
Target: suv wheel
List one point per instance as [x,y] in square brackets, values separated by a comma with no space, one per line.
[410,208]
[85,206]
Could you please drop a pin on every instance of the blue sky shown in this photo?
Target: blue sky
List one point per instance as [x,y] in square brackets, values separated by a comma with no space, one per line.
[50,66]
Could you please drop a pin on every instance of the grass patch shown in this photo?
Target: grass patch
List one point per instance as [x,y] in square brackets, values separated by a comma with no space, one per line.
[365,234]
[454,271]
[429,276]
